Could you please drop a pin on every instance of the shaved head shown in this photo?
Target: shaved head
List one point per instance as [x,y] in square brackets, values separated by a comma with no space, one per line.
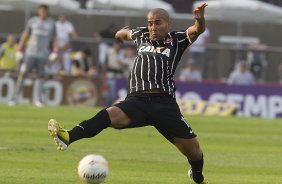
[158,23]
[161,12]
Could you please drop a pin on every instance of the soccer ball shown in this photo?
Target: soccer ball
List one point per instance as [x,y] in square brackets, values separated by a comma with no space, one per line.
[93,169]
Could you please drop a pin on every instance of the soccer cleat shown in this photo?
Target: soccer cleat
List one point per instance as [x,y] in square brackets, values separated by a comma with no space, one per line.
[60,135]
[190,174]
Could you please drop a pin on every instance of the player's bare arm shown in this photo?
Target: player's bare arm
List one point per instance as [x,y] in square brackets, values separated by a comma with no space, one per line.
[23,40]
[200,24]
[124,34]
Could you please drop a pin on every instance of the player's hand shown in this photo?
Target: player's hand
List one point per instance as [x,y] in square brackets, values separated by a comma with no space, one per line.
[122,34]
[20,54]
[199,11]
[54,55]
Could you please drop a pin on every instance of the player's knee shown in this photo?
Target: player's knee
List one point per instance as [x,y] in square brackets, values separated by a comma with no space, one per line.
[118,118]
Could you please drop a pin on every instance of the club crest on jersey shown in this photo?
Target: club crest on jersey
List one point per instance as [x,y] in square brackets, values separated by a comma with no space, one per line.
[167,40]
[152,49]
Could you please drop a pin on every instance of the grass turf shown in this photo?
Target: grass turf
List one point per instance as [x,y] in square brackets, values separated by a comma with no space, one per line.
[237,150]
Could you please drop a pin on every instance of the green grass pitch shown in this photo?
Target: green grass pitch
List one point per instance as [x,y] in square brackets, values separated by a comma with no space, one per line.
[237,150]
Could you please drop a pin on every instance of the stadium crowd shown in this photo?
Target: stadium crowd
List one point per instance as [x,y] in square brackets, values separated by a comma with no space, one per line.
[112,60]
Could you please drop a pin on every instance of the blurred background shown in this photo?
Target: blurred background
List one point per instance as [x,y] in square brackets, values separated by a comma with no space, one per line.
[237,60]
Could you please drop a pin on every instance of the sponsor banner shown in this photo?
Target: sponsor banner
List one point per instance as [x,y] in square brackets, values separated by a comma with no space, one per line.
[259,101]
[58,90]
[206,108]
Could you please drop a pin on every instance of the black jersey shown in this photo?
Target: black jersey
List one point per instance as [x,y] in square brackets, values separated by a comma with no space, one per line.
[156,61]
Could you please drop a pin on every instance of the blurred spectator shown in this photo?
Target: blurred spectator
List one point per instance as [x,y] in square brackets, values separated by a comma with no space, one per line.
[104,39]
[82,63]
[256,61]
[190,72]
[82,3]
[198,51]
[241,75]
[109,32]
[127,58]
[103,49]
[114,70]
[280,72]
[114,67]
[8,54]
[65,33]
[40,32]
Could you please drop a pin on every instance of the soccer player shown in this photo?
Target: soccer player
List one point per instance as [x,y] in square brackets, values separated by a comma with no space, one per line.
[40,31]
[151,90]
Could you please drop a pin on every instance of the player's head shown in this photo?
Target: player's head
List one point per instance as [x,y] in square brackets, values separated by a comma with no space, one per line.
[158,23]
[43,11]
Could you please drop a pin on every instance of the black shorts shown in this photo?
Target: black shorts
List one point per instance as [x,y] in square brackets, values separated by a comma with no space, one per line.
[158,110]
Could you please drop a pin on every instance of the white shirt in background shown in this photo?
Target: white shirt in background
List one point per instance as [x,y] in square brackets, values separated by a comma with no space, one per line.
[64,30]
[190,75]
[238,78]
[199,44]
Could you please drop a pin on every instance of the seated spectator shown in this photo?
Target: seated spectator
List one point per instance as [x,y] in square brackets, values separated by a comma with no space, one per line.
[241,75]
[82,64]
[8,54]
[190,73]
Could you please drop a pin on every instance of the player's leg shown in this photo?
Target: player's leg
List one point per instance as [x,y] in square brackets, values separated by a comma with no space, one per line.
[188,146]
[191,149]
[122,115]
[40,69]
[172,125]
[25,68]
[112,116]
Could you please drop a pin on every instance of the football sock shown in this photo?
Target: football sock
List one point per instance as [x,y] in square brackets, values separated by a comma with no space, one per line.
[197,168]
[90,128]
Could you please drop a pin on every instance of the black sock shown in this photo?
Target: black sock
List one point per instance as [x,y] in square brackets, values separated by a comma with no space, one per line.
[197,169]
[90,128]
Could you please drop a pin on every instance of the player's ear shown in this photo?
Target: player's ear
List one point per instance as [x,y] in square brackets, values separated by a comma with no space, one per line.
[169,24]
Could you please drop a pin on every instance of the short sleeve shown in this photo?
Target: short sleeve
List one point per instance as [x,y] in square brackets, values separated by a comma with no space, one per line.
[183,39]
[137,32]
[29,26]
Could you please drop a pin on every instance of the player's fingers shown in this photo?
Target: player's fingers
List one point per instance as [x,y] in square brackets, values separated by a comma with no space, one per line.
[204,5]
[200,8]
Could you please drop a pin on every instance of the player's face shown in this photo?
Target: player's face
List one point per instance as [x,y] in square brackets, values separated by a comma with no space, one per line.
[158,26]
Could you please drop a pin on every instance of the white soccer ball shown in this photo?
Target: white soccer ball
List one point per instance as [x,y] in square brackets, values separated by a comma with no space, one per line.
[93,169]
